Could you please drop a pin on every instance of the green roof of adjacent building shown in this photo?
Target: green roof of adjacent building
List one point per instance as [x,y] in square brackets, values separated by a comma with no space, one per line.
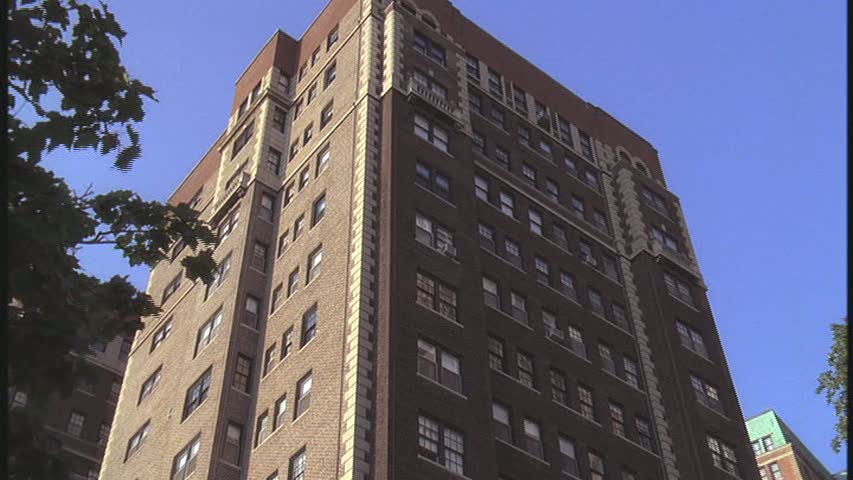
[769,423]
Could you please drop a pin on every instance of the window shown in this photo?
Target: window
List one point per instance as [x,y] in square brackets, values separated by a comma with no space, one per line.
[599,220]
[172,287]
[256,92]
[262,428]
[502,157]
[559,391]
[606,356]
[764,474]
[309,325]
[76,422]
[524,135]
[518,306]
[308,134]
[137,440]
[596,466]
[498,116]
[287,343]
[491,297]
[543,270]
[432,180]
[631,373]
[542,117]
[497,360]
[196,200]
[519,99]
[207,332]
[250,314]
[162,334]
[220,274]
[578,208]
[552,189]
[185,462]
[611,268]
[535,219]
[177,249]
[545,148]
[507,203]
[568,457]
[653,200]
[331,74]
[266,208]
[323,160]
[644,433]
[431,132]
[481,188]
[103,434]
[228,224]
[775,471]
[591,179]
[664,238]
[495,83]
[617,420]
[315,263]
[312,94]
[706,393]
[302,71]
[259,257]
[475,102]
[576,342]
[429,84]
[441,444]
[526,374]
[326,114]
[124,349]
[276,297]
[433,235]
[293,282]
[436,296]
[532,438]
[269,359]
[439,365]
[242,139]
[678,289]
[502,422]
[565,131]
[567,284]
[559,236]
[242,373]
[332,38]
[298,226]
[723,455]
[429,48]
[288,194]
[150,384]
[280,411]
[232,448]
[472,65]
[691,339]
[587,404]
[294,148]
[486,234]
[303,394]
[586,147]
[278,121]
[571,166]
[241,110]
[297,107]
[479,142]
[298,465]
[197,393]
[585,251]
[767,443]
[595,302]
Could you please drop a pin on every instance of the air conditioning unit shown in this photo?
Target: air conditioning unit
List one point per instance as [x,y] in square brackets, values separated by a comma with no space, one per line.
[447,249]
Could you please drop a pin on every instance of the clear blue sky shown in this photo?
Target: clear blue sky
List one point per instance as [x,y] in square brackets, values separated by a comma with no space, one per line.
[744,100]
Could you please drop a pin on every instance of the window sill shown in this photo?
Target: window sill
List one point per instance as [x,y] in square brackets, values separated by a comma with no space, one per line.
[525,452]
[245,394]
[454,322]
[517,381]
[716,412]
[623,381]
[229,464]
[694,352]
[435,195]
[494,254]
[444,152]
[525,325]
[688,305]
[454,392]
[438,252]
[594,422]
[585,359]
[303,346]
[433,462]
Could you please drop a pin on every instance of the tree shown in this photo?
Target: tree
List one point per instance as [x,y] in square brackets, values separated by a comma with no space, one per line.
[66,71]
[833,382]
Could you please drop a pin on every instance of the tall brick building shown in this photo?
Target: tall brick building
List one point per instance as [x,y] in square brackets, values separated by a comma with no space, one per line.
[436,262]
[780,454]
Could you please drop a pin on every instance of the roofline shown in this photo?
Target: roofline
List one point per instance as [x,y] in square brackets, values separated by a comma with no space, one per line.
[769,410]
[198,164]
[277,32]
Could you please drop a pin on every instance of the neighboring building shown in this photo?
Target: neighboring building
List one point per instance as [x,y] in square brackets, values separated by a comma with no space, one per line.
[81,422]
[435,262]
[779,452]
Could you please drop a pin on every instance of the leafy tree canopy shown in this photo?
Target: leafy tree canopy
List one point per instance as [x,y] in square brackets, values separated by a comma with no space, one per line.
[833,382]
[65,69]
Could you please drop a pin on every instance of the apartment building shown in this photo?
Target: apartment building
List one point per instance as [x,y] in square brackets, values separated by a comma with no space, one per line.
[435,262]
[780,453]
